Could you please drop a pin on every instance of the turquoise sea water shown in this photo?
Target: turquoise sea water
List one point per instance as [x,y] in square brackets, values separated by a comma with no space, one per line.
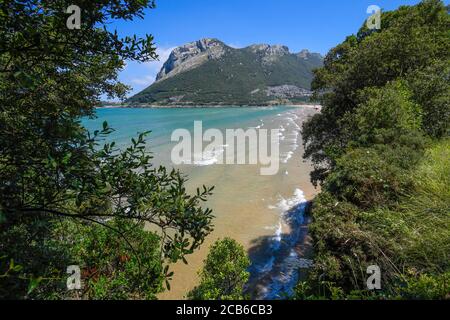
[162,122]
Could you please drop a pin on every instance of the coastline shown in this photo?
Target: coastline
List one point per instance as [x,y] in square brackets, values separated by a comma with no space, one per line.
[276,238]
[317,107]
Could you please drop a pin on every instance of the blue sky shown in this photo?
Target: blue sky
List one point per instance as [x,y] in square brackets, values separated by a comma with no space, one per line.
[316,25]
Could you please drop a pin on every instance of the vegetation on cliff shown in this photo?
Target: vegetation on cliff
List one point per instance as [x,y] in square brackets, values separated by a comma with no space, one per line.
[381,153]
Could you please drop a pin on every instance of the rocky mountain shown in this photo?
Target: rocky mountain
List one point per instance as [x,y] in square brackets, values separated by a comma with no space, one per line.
[208,72]
[189,56]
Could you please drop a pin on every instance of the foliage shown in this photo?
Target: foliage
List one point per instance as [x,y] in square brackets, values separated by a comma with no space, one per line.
[412,41]
[405,231]
[115,271]
[112,266]
[430,89]
[381,155]
[385,114]
[224,273]
[53,170]
[427,287]
[412,287]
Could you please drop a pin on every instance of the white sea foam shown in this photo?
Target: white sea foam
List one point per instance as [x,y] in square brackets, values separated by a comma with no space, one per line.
[294,116]
[209,157]
[287,204]
[283,206]
[285,156]
[291,121]
[258,126]
[287,270]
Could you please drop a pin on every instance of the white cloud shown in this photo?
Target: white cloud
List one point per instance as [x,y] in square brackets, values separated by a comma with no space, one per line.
[141,75]
[143,81]
[155,66]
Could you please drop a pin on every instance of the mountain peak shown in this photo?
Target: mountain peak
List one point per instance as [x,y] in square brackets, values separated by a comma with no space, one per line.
[208,71]
[207,43]
[306,54]
[269,53]
[191,55]
[271,50]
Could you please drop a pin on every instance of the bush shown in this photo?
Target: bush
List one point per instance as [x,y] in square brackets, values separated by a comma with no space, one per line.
[410,241]
[224,273]
[385,180]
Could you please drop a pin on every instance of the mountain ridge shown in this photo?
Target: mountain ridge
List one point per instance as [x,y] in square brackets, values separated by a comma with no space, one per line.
[208,71]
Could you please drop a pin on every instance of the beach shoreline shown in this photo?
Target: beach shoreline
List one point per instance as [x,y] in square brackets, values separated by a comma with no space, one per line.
[317,107]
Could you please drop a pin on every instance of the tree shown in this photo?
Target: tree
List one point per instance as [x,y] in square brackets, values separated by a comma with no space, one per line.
[385,96]
[411,45]
[224,273]
[53,172]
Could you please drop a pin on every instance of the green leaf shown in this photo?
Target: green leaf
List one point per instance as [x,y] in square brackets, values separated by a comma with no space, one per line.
[33,284]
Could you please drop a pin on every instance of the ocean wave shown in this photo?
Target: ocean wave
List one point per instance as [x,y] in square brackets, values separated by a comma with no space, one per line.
[286,204]
[285,156]
[278,274]
[209,157]
[258,126]
[292,121]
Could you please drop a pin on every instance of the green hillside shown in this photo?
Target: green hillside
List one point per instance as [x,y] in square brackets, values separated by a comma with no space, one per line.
[239,77]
